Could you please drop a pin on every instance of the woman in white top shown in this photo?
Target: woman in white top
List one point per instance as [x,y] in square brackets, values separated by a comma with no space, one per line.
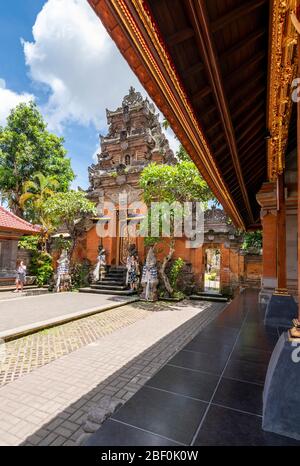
[21,276]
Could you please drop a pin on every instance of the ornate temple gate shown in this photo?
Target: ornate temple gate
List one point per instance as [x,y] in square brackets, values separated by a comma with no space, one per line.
[124,239]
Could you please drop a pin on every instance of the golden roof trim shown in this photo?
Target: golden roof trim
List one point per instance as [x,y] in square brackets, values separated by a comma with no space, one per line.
[282,72]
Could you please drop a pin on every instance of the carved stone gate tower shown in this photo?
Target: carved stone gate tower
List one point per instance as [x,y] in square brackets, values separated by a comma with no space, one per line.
[134,140]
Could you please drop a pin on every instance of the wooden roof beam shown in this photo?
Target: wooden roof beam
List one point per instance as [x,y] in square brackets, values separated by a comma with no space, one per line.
[250,115]
[255,175]
[254,135]
[218,138]
[192,70]
[247,103]
[213,127]
[204,38]
[244,66]
[253,37]
[180,36]
[246,156]
[249,153]
[245,89]
[236,14]
[261,117]
[220,149]
[201,94]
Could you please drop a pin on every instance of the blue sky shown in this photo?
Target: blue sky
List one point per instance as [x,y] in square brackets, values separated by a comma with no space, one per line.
[58,53]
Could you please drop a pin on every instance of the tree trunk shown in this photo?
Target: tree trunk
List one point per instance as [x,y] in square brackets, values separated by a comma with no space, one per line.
[73,246]
[163,274]
[15,208]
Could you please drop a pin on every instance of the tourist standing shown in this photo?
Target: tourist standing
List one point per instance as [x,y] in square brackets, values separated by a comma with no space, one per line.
[21,276]
[132,271]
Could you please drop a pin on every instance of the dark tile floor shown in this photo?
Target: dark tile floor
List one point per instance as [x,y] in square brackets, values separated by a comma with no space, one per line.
[210,393]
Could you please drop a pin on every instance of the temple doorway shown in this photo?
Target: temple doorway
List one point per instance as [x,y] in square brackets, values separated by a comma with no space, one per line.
[212,270]
[126,237]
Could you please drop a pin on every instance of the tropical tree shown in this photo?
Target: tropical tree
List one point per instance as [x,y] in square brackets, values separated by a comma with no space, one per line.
[182,154]
[253,240]
[32,201]
[35,194]
[166,186]
[27,148]
[68,209]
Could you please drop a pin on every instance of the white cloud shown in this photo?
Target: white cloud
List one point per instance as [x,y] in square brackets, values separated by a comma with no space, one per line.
[73,55]
[9,99]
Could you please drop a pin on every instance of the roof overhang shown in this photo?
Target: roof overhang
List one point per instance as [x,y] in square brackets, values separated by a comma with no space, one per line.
[222,125]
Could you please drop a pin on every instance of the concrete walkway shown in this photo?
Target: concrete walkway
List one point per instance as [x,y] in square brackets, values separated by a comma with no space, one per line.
[22,314]
[49,405]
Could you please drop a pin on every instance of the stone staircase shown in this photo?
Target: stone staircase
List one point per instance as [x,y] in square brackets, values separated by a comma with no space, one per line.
[114,283]
[206,296]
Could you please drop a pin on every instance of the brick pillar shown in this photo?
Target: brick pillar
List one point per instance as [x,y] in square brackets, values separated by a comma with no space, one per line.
[268,202]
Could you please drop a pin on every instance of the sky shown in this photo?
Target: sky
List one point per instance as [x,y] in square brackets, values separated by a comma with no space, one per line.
[57,53]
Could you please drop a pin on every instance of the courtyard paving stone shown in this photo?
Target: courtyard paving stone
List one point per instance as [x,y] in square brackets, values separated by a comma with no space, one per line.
[56,398]
[26,354]
[22,313]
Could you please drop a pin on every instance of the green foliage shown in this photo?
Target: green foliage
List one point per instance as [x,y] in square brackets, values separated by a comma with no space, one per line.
[169,186]
[27,148]
[59,244]
[182,154]
[253,240]
[148,240]
[41,267]
[174,183]
[211,276]
[165,124]
[29,242]
[35,194]
[79,275]
[178,295]
[68,208]
[175,271]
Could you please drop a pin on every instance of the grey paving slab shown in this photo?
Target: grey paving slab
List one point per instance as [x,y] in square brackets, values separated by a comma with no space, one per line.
[57,398]
[22,312]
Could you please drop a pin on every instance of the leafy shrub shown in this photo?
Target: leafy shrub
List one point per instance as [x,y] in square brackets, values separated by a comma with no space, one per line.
[80,274]
[60,243]
[253,240]
[212,276]
[41,267]
[175,271]
[29,242]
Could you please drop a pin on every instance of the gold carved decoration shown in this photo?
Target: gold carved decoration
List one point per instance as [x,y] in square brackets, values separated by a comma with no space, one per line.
[283,70]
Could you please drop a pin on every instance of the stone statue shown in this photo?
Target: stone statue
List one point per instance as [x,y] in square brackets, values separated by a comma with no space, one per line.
[63,278]
[100,267]
[150,278]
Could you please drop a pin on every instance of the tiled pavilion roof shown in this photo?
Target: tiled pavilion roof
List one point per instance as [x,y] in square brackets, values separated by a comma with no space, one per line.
[10,221]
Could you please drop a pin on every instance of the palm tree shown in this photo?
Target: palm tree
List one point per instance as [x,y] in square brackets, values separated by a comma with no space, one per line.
[35,193]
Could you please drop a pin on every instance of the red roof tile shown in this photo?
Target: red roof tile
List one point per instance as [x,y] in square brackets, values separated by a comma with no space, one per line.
[10,221]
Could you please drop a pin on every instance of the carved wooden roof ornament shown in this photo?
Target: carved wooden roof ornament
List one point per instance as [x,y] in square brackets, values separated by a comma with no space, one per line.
[283,70]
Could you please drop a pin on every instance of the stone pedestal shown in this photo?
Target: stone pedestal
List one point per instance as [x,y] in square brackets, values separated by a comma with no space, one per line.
[281,397]
[281,310]
[268,286]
